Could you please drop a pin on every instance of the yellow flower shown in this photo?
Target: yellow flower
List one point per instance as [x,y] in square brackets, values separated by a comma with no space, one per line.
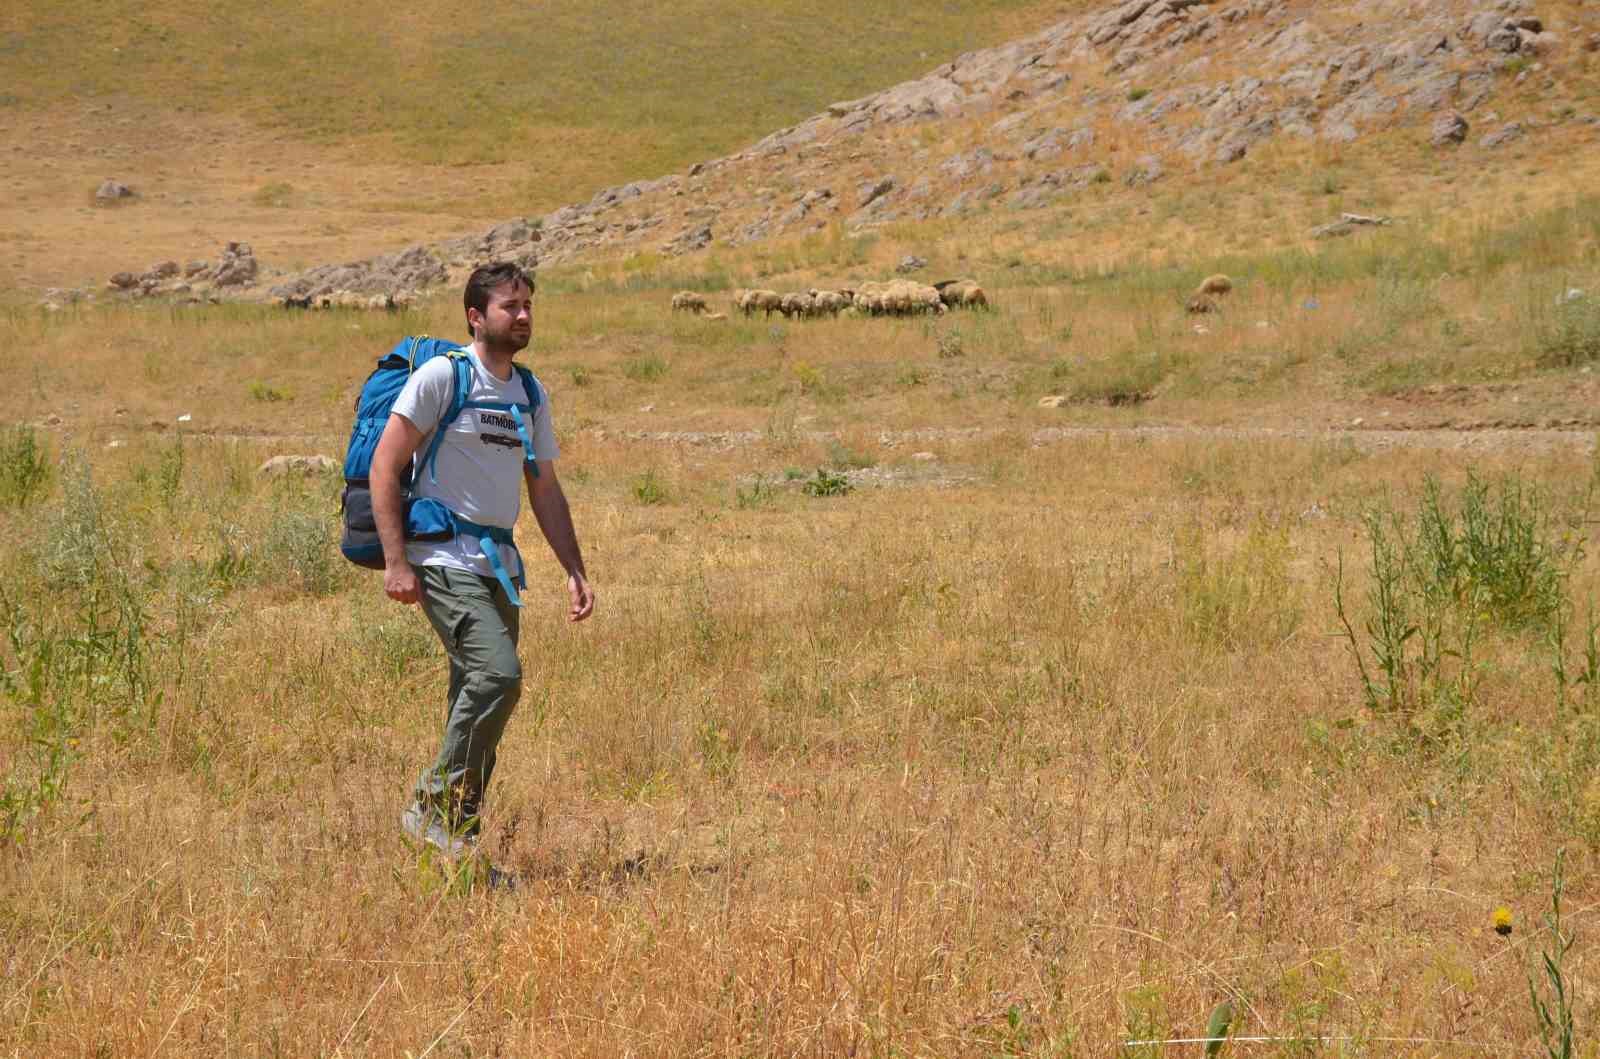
[1502,920]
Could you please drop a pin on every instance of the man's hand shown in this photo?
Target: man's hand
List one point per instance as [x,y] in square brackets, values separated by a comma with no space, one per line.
[400,583]
[582,597]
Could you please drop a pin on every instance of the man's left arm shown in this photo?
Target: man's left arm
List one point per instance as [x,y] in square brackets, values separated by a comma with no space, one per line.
[550,509]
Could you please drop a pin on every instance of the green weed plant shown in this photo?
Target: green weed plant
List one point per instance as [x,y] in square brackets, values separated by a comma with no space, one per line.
[24,467]
[1440,578]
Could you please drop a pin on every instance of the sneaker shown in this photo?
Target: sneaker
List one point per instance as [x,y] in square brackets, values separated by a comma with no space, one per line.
[424,824]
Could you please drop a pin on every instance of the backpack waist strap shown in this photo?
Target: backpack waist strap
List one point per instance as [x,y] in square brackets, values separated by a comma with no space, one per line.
[490,538]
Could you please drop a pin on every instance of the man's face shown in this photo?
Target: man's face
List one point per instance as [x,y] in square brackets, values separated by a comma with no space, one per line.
[506,324]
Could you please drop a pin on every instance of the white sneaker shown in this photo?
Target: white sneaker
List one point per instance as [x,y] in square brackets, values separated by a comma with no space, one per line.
[424,824]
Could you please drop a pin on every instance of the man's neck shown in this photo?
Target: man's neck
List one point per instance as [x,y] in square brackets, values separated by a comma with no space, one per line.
[496,362]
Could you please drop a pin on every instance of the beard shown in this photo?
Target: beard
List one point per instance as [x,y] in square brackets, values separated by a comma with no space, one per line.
[508,340]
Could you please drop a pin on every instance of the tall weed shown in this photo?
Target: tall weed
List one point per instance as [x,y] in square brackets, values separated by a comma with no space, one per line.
[74,538]
[1439,578]
[24,466]
[1569,335]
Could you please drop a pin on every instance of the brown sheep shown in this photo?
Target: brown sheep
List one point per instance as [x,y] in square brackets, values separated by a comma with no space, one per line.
[828,301]
[797,304]
[767,301]
[689,301]
[962,294]
[1216,285]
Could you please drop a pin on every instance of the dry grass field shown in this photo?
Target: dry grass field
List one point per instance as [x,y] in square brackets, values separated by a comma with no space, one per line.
[916,718]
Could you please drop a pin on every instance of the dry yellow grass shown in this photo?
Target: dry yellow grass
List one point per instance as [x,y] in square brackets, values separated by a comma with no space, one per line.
[1043,738]
[930,769]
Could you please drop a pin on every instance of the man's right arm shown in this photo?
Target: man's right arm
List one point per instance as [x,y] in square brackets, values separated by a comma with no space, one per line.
[395,448]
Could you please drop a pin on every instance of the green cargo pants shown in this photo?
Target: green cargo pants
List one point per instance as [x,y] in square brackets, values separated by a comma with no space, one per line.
[477,624]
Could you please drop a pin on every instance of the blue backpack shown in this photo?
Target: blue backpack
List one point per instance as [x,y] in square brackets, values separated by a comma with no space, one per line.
[426,519]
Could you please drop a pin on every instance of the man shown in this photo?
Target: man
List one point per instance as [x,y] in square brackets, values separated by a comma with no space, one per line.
[466,584]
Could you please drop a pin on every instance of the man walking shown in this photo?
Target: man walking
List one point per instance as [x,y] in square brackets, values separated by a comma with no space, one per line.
[468,583]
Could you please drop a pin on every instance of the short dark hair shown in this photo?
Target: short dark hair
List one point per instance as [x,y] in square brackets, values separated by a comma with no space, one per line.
[486,278]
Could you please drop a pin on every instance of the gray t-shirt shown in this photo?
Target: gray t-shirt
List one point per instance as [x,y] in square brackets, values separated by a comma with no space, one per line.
[478,474]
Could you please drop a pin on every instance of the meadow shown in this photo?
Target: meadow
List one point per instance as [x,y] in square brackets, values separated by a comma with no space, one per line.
[915,719]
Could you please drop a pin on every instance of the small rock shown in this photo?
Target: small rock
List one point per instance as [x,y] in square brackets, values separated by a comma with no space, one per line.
[1506,39]
[873,190]
[1573,294]
[123,281]
[115,444]
[923,457]
[1053,401]
[52,420]
[1508,133]
[185,418]
[1449,129]
[298,465]
[1357,421]
[910,263]
[113,191]
[648,408]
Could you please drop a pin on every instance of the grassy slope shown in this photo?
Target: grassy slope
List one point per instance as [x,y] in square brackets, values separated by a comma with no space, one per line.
[639,89]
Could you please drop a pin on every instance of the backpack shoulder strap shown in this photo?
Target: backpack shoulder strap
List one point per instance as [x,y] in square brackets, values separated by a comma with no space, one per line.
[461,386]
[531,385]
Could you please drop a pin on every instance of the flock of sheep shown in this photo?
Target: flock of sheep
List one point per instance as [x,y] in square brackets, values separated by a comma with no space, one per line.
[897,297]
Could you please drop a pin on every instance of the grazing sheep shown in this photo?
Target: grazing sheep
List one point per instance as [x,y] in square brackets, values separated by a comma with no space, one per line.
[689,301]
[828,301]
[739,296]
[340,299]
[962,294]
[869,298]
[796,304]
[766,301]
[1215,285]
[900,297]
[907,296]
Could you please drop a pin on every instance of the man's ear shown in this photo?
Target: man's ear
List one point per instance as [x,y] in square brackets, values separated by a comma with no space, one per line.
[474,318]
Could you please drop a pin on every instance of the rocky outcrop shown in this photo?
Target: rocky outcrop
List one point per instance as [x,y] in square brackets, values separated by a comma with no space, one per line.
[413,269]
[1029,124]
[236,268]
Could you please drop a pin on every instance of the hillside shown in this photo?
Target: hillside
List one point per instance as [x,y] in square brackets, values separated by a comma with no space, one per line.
[319,132]
[1132,107]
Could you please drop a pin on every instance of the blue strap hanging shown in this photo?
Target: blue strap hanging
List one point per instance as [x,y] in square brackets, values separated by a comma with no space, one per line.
[489,539]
